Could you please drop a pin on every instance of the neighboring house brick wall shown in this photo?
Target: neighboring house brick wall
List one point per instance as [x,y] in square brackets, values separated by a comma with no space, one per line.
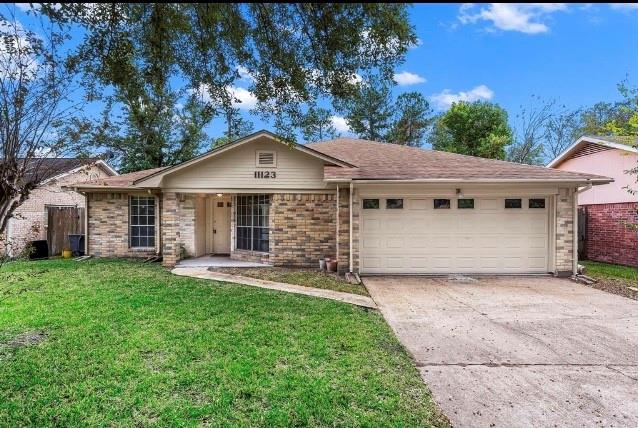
[109,226]
[303,229]
[564,231]
[611,238]
[29,220]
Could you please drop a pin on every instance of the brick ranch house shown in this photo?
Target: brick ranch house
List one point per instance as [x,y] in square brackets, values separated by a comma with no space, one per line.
[610,210]
[30,220]
[378,208]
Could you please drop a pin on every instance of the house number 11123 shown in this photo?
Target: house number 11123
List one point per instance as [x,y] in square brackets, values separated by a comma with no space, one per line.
[265,174]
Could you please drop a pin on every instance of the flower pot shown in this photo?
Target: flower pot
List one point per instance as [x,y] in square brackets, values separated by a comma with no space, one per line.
[67,254]
[332,266]
[322,264]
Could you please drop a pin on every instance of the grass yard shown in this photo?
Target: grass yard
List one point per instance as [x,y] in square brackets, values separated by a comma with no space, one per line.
[615,279]
[119,343]
[305,277]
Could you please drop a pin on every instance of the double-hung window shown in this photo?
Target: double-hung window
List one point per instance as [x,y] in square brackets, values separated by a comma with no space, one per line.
[252,213]
[142,221]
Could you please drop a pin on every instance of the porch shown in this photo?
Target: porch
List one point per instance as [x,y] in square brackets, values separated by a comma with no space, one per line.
[218,262]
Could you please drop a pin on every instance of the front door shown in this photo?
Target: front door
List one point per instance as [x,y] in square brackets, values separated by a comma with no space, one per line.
[221,225]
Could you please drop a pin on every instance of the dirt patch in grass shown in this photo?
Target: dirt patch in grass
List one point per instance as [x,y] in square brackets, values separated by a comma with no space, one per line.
[304,277]
[617,286]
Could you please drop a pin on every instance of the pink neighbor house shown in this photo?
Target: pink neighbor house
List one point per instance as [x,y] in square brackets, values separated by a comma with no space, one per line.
[610,210]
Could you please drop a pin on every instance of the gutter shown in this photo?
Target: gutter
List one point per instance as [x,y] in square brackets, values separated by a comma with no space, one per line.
[593,181]
[350,224]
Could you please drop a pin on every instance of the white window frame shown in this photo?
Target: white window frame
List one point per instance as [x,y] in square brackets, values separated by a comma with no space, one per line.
[131,225]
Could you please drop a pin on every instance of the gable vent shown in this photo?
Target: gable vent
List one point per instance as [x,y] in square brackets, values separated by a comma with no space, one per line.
[266,158]
[589,149]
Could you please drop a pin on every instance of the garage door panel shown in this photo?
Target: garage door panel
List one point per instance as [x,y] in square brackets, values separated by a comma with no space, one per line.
[487,239]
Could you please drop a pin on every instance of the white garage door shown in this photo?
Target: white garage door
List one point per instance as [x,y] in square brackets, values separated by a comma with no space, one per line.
[432,235]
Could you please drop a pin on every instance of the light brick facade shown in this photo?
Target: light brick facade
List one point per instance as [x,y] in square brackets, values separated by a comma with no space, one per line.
[170,229]
[303,229]
[564,231]
[108,215]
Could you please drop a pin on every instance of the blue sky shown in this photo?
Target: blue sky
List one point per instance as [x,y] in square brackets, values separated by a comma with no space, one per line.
[506,53]
[576,54]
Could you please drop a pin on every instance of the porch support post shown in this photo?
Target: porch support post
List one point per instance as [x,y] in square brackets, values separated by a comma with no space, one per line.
[170,233]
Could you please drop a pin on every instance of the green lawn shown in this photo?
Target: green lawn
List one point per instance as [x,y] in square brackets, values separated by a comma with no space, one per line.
[117,343]
[305,277]
[606,270]
[617,279]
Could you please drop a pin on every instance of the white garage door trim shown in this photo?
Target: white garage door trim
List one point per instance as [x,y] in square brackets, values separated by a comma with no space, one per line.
[486,239]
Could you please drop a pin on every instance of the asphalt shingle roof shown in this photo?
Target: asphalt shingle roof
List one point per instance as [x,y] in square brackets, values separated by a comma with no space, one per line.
[383,161]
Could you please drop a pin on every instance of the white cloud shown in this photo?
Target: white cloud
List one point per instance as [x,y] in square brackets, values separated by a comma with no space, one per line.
[244,99]
[523,17]
[624,6]
[444,100]
[406,78]
[340,124]
[244,73]
[24,7]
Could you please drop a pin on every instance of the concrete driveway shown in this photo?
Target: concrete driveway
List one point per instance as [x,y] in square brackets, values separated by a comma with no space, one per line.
[518,351]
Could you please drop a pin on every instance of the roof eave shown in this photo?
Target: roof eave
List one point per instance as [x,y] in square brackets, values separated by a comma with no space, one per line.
[561,157]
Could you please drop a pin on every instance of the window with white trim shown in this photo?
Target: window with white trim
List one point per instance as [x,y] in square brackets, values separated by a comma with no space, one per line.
[252,213]
[142,221]
[266,158]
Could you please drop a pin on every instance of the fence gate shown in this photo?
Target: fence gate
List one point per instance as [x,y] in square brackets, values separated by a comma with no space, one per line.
[582,232]
[63,221]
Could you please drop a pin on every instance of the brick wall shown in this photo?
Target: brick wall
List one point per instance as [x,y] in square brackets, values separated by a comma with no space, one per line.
[303,229]
[344,229]
[564,231]
[109,226]
[186,213]
[170,229]
[610,235]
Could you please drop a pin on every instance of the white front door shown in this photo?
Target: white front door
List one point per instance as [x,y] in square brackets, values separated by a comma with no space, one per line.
[221,225]
[410,235]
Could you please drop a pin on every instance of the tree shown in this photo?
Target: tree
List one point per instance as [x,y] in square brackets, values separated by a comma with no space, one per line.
[369,113]
[413,117]
[236,127]
[36,101]
[316,125]
[561,131]
[529,144]
[286,55]
[476,129]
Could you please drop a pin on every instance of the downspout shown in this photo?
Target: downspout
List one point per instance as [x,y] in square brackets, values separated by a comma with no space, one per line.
[350,222]
[337,228]
[86,224]
[575,238]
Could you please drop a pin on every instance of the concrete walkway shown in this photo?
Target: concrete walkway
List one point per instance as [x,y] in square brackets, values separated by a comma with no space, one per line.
[204,273]
[518,351]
